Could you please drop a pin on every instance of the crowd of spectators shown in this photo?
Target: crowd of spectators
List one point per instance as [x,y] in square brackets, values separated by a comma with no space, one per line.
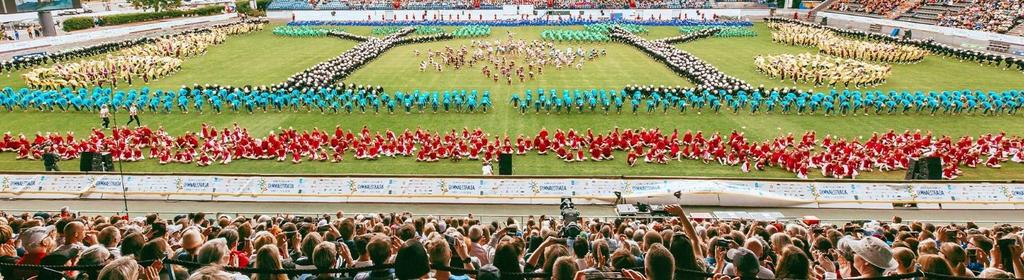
[20,32]
[406,246]
[874,7]
[985,15]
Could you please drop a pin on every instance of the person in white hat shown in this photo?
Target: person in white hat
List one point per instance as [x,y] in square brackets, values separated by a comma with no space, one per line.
[872,257]
[745,265]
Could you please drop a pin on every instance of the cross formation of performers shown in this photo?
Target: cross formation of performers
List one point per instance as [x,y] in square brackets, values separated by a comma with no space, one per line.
[726,31]
[702,74]
[329,72]
[834,156]
[832,44]
[504,61]
[696,35]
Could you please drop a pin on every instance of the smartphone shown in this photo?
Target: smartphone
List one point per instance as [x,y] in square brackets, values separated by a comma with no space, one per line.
[819,230]
[724,243]
[1004,250]
[972,255]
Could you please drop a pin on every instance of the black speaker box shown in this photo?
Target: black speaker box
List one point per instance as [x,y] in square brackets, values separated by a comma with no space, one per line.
[85,165]
[505,164]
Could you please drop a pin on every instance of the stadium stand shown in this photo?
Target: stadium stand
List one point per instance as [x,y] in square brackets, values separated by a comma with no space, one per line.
[873,8]
[987,15]
[726,245]
[929,12]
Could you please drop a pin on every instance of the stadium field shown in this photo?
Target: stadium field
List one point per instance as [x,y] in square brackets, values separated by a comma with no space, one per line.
[261,58]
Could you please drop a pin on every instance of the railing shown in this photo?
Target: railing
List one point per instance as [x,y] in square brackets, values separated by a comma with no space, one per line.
[690,274]
[519,218]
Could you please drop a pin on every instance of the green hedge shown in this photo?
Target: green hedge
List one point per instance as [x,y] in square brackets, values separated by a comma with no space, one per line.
[141,17]
[242,7]
[78,23]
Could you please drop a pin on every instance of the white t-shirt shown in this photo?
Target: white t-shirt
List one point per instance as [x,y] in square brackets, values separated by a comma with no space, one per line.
[488,170]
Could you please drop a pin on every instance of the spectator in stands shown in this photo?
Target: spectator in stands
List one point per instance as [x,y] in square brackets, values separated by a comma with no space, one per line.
[905,260]
[190,242]
[408,247]
[793,264]
[110,237]
[37,243]
[8,251]
[94,255]
[267,257]
[123,268]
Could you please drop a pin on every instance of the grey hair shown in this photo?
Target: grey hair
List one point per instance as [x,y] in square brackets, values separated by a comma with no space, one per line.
[213,251]
[95,254]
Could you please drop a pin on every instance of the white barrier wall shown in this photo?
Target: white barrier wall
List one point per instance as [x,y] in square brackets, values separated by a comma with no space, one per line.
[505,14]
[512,190]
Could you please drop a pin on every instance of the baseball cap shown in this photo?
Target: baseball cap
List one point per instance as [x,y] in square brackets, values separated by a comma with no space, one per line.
[32,236]
[744,261]
[874,251]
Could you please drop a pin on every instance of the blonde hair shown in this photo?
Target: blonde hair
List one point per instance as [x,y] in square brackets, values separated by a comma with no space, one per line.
[263,238]
[123,268]
[212,272]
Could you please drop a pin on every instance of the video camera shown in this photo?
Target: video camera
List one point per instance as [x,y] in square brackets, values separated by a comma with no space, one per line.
[570,230]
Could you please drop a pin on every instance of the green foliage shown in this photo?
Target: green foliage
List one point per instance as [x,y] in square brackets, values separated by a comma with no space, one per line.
[141,17]
[78,23]
[242,7]
[155,5]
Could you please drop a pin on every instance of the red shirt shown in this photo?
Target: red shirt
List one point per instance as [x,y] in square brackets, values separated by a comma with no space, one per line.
[243,259]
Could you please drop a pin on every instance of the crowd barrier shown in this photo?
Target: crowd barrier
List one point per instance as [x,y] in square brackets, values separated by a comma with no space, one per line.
[349,273]
[514,190]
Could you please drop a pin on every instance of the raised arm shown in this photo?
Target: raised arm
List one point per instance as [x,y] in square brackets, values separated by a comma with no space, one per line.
[677,210]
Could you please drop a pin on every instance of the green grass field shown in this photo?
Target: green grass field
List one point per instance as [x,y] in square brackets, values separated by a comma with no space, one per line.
[261,58]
